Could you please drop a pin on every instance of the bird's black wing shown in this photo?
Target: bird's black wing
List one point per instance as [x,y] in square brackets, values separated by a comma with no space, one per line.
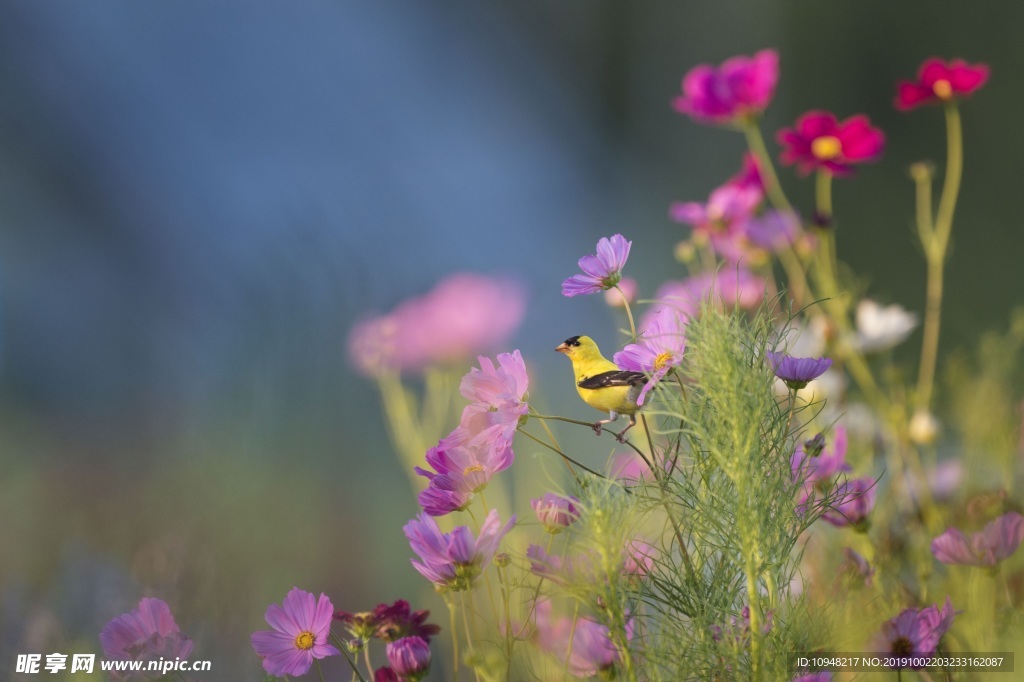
[619,377]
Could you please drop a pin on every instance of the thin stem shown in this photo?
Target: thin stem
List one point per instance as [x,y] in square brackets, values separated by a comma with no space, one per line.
[755,141]
[572,636]
[935,253]
[559,451]
[629,313]
[823,193]
[554,440]
[344,652]
[455,635]
[319,670]
[366,657]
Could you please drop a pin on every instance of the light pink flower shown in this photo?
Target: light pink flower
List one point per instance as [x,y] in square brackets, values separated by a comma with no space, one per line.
[661,347]
[300,634]
[454,560]
[586,643]
[146,633]
[997,541]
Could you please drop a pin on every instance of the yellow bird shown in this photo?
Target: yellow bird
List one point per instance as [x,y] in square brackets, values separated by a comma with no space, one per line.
[601,384]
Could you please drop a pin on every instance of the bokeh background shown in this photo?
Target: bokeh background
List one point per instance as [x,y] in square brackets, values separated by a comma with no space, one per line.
[198,201]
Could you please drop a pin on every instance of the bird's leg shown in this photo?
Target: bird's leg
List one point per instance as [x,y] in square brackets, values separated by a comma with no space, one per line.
[612,416]
[621,435]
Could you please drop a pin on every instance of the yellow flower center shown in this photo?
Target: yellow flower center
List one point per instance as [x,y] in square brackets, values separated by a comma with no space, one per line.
[942,89]
[826,147]
[472,468]
[305,640]
[662,360]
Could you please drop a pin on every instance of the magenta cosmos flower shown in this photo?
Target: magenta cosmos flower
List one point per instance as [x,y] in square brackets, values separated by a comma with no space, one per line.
[556,512]
[454,560]
[148,632]
[915,632]
[819,141]
[815,463]
[939,81]
[301,627]
[460,471]
[463,315]
[661,348]
[740,88]
[602,271]
[997,541]
[797,372]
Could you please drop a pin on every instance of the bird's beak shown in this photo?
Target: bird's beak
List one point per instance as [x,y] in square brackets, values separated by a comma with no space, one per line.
[563,348]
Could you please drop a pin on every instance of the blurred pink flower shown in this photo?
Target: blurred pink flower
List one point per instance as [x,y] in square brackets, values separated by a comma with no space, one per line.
[915,632]
[939,81]
[820,141]
[749,174]
[629,466]
[730,286]
[300,634]
[640,556]
[722,221]
[602,271]
[740,88]
[556,512]
[409,658]
[586,643]
[463,314]
[854,501]
[146,633]
[626,293]
[997,541]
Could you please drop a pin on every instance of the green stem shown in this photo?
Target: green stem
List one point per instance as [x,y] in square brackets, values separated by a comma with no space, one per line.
[344,652]
[559,451]
[629,312]
[935,254]
[449,601]
[755,141]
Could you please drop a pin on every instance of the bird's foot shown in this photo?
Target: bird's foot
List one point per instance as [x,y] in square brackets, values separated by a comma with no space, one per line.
[621,435]
[598,426]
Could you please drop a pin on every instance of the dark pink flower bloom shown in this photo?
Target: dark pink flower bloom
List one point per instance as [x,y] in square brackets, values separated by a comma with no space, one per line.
[939,81]
[463,315]
[301,627]
[854,501]
[388,622]
[409,658]
[797,372]
[587,643]
[661,347]
[915,632]
[454,560]
[997,541]
[556,512]
[385,674]
[147,633]
[820,141]
[741,87]
[602,271]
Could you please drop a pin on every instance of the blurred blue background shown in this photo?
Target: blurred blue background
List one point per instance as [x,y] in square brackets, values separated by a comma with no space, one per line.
[198,200]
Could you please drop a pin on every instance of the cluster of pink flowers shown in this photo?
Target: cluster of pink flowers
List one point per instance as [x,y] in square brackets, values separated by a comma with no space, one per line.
[146,633]
[463,315]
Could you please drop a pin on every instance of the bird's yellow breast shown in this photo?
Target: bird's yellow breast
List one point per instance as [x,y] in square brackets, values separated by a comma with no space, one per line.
[620,399]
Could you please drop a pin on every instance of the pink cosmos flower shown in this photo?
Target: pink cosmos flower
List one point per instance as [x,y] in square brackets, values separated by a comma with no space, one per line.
[409,658]
[640,556]
[460,471]
[820,141]
[741,87]
[385,674]
[497,398]
[661,347]
[464,314]
[939,81]
[915,632]
[301,628]
[729,287]
[854,501]
[722,220]
[602,271]
[997,541]
[797,372]
[822,676]
[454,560]
[818,468]
[146,633]
[587,643]
[556,512]
[629,466]
[573,569]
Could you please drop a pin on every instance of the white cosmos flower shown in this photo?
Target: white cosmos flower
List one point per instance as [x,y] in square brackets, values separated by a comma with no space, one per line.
[880,328]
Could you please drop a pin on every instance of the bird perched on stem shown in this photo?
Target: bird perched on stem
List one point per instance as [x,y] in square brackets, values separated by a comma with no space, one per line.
[601,383]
